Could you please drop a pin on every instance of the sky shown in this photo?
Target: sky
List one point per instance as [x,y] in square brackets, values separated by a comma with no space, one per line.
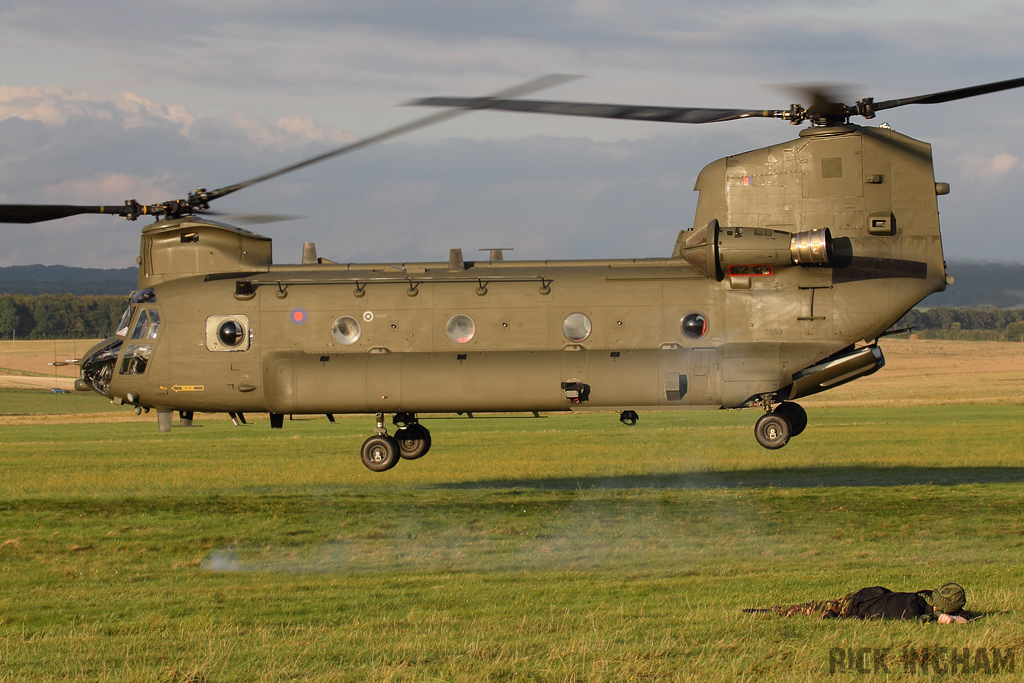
[113,99]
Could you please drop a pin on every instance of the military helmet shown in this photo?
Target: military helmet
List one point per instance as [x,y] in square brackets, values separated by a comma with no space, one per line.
[949,598]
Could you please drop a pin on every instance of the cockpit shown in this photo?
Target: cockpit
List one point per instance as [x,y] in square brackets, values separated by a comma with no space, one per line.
[100,361]
[140,346]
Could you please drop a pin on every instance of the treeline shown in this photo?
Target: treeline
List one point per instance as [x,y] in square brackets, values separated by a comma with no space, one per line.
[984,324]
[59,316]
[37,279]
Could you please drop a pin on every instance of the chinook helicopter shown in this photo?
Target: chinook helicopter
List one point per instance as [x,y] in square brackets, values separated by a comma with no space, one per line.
[801,257]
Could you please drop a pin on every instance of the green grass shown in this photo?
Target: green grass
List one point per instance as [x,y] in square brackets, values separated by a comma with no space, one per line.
[45,402]
[566,548]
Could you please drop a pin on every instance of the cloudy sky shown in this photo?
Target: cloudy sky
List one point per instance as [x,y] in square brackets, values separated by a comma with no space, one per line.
[116,99]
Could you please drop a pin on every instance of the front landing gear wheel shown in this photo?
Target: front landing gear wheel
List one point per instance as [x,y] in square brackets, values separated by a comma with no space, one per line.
[413,441]
[772,431]
[380,453]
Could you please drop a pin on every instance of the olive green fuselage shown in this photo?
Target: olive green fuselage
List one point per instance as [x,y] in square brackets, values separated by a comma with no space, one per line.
[733,317]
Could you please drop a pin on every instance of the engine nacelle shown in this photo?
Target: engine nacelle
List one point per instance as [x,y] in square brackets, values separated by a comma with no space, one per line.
[718,251]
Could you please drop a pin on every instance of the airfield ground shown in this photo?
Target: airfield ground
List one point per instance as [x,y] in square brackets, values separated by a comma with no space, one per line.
[566,548]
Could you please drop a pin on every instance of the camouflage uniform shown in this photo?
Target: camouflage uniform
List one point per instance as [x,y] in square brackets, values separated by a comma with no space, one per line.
[823,609]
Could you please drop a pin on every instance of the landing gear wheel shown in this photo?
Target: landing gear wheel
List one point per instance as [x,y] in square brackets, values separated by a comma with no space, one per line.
[772,430]
[380,453]
[413,441]
[796,415]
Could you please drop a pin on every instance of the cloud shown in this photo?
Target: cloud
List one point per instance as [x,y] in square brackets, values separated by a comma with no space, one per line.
[307,128]
[546,196]
[65,147]
[56,107]
[306,45]
[49,105]
[990,167]
[87,190]
[138,111]
[193,94]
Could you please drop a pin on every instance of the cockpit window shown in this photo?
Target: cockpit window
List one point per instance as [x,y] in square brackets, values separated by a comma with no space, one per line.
[144,296]
[135,359]
[126,317]
[147,327]
[154,324]
[148,324]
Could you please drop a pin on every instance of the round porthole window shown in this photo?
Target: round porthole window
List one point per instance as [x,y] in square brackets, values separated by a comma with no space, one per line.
[231,333]
[694,325]
[460,328]
[577,327]
[346,330]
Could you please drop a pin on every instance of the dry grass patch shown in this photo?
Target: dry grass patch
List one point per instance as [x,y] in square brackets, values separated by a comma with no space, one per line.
[936,372]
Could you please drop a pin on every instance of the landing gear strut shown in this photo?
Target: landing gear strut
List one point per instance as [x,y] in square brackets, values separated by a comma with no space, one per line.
[381,451]
[779,424]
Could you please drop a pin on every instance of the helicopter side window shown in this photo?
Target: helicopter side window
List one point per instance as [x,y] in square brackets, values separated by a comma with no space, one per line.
[346,330]
[460,328]
[694,325]
[135,359]
[577,327]
[154,324]
[148,325]
[140,325]
[227,333]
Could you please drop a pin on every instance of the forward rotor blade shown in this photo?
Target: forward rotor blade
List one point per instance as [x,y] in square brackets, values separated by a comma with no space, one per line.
[199,200]
[37,213]
[604,111]
[481,103]
[951,95]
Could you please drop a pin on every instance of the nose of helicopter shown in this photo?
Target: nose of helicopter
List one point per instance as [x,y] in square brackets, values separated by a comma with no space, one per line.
[98,366]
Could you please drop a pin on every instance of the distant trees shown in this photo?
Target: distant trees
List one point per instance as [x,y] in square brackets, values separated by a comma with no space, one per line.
[59,316]
[993,324]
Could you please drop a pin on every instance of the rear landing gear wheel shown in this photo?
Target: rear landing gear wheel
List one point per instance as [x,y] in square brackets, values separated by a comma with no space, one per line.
[796,415]
[772,430]
[380,453]
[413,441]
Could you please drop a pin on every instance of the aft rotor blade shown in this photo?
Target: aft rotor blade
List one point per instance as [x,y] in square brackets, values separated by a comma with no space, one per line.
[37,213]
[253,218]
[604,111]
[481,103]
[951,95]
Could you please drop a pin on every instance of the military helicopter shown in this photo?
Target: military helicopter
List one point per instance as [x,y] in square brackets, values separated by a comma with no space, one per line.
[801,257]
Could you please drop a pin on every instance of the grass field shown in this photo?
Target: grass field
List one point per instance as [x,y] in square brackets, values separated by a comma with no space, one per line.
[565,548]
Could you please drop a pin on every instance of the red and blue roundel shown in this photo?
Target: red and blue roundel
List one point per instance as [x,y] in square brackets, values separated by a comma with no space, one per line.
[299,316]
